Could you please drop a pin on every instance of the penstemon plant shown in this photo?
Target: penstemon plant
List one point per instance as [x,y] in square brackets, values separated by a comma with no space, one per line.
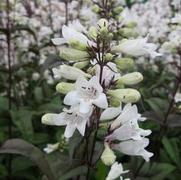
[99,110]
[97,82]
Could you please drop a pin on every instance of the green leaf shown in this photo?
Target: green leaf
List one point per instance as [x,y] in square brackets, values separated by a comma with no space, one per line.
[59,163]
[21,163]
[102,171]
[172,149]
[3,171]
[81,170]
[174,120]
[155,171]
[158,105]
[3,103]
[21,147]
[23,120]
[38,93]
[99,147]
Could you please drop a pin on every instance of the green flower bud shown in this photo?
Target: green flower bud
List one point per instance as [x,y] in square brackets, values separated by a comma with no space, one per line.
[128,32]
[92,32]
[170,46]
[95,8]
[65,87]
[77,45]
[131,24]
[81,65]
[115,102]
[110,36]
[124,64]
[118,10]
[103,23]
[130,79]
[47,119]
[108,57]
[125,95]
[108,157]
[91,70]
[104,34]
[179,108]
[70,54]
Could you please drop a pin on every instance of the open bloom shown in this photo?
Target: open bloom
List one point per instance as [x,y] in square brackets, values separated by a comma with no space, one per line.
[71,34]
[116,171]
[71,118]
[128,131]
[137,47]
[128,114]
[134,148]
[86,94]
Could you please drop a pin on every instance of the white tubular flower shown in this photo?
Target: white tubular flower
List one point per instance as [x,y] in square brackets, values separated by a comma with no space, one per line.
[87,93]
[109,73]
[137,47]
[129,131]
[134,148]
[75,24]
[116,171]
[72,119]
[111,113]
[70,34]
[68,72]
[51,148]
[129,114]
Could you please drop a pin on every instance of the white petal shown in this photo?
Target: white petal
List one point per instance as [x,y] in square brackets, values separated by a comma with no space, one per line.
[125,132]
[81,82]
[101,101]
[81,127]
[145,154]
[85,106]
[94,81]
[129,113]
[132,147]
[110,113]
[58,41]
[70,128]
[72,34]
[71,98]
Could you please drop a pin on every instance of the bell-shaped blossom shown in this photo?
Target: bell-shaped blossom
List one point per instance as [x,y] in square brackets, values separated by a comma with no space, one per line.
[116,171]
[75,24]
[86,94]
[134,148]
[128,114]
[137,47]
[71,34]
[71,118]
[111,113]
[128,131]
